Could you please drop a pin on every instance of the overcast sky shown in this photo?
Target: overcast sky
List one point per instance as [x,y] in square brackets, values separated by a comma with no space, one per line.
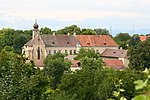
[122,15]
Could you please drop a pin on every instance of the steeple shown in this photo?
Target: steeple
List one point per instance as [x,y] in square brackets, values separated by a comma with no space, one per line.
[35,30]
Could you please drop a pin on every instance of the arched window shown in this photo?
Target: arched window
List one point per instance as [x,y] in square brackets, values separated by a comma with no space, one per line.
[38,53]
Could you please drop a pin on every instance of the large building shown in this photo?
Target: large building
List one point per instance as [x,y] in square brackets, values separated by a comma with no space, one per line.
[42,45]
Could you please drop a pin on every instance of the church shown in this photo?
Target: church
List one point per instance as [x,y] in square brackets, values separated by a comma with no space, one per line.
[42,45]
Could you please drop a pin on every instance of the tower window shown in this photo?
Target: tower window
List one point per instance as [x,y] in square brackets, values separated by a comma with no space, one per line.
[38,53]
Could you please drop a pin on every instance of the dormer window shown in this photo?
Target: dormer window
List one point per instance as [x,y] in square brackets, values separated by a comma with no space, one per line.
[67,42]
[114,52]
[52,42]
[88,43]
[104,43]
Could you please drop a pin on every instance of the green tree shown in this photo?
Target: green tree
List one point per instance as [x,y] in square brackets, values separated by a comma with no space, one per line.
[55,66]
[90,53]
[46,30]
[101,31]
[122,39]
[70,29]
[18,80]
[134,40]
[87,31]
[139,56]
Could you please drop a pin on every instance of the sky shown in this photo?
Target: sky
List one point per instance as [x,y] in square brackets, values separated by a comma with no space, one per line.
[131,16]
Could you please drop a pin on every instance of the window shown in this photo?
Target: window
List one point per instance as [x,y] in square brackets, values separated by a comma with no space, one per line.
[104,43]
[54,51]
[70,52]
[74,52]
[66,51]
[59,50]
[38,53]
[52,42]
[67,42]
[96,50]
[49,52]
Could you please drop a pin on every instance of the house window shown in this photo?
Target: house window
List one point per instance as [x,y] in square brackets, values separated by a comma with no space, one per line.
[38,53]
[70,52]
[74,52]
[54,51]
[49,52]
[66,52]
[96,50]
[59,50]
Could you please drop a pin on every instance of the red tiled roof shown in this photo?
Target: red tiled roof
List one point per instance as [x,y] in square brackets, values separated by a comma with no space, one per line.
[117,53]
[143,38]
[116,64]
[96,40]
[74,63]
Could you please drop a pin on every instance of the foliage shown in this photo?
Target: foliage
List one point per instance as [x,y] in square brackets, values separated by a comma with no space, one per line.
[134,40]
[18,80]
[122,39]
[139,56]
[55,66]
[46,30]
[90,53]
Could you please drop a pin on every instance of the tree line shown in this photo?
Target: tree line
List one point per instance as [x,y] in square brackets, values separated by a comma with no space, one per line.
[23,81]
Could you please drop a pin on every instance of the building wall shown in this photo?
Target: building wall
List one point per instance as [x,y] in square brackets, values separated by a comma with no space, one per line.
[101,49]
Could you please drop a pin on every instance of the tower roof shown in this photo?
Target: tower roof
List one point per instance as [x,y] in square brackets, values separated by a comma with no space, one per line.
[35,26]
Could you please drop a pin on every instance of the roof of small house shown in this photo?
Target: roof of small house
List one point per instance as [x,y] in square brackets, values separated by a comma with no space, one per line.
[96,40]
[143,38]
[75,63]
[115,64]
[116,53]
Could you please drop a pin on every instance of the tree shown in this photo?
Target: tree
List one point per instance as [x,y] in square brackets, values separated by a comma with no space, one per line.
[18,43]
[55,66]
[70,29]
[90,53]
[134,40]
[46,30]
[122,39]
[82,84]
[101,31]
[87,31]
[19,80]
[139,56]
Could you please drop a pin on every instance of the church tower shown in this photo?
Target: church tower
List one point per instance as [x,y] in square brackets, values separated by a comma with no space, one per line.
[35,30]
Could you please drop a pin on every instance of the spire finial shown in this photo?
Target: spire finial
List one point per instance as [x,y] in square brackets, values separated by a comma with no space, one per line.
[35,26]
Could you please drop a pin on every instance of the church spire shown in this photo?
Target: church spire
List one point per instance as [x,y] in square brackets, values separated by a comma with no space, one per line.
[35,30]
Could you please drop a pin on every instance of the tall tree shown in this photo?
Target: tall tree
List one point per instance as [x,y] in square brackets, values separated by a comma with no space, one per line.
[139,56]
[55,66]
[18,80]
[122,39]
